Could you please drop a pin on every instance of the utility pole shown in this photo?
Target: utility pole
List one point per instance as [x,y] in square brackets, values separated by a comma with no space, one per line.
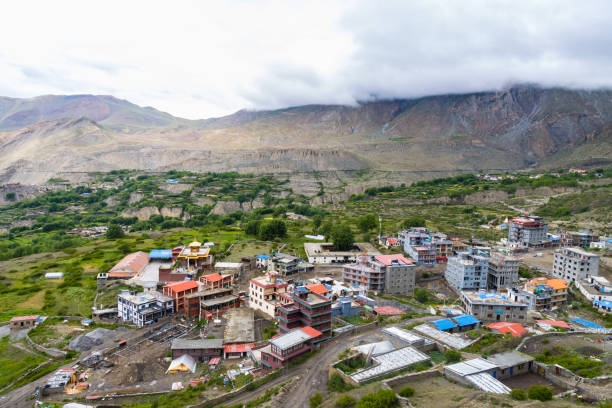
[379,226]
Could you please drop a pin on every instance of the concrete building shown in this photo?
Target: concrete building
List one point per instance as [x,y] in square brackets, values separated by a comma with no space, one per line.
[215,302]
[143,308]
[541,294]
[24,322]
[195,257]
[178,291]
[582,238]
[575,264]
[287,347]
[230,268]
[493,307]
[265,291]
[305,308]
[324,252]
[528,231]
[288,265]
[261,261]
[382,273]
[511,364]
[467,271]
[217,280]
[503,271]
[595,288]
[199,350]
[130,266]
[344,306]
[426,248]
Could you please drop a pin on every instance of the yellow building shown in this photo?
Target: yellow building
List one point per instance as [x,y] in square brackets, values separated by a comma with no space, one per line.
[195,257]
[547,293]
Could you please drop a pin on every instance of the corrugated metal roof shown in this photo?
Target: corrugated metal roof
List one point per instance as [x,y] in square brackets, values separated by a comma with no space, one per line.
[378,348]
[293,338]
[390,362]
[403,335]
[160,254]
[181,344]
[444,324]
[465,320]
[510,359]
[487,383]
[448,339]
[469,367]
[586,323]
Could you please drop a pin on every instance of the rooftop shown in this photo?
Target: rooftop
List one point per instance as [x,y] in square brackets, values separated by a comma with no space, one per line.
[22,318]
[160,254]
[228,265]
[390,362]
[240,327]
[393,259]
[182,344]
[445,338]
[509,359]
[507,327]
[388,311]
[378,348]
[145,297]
[474,366]
[491,298]
[465,320]
[183,286]
[444,324]
[219,300]
[318,288]
[326,249]
[295,337]
[403,335]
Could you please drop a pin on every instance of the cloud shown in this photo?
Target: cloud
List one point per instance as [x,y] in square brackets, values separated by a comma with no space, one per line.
[202,59]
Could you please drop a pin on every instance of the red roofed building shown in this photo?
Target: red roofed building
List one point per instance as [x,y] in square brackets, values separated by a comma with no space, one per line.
[179,291]
[506,327]
[24,322]
[289,346]
[216,281]
[553,323]
[388,311]
[237,350]
[319,289]
[130,266]
[305,308]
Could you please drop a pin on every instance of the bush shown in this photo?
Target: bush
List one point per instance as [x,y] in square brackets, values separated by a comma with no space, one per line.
[518,394]
[380,399]
[336,383]
[407,392]
[114,231]
[342,237]
[345,401]
[452,356]
[540,393]
[316,400]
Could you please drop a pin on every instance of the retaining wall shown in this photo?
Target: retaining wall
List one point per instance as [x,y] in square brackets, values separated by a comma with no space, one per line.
[55,353]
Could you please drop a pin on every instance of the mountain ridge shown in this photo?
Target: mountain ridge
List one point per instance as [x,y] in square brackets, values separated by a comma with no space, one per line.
[513,128]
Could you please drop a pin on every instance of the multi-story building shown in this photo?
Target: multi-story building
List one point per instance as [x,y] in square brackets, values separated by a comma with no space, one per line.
[582,238]
[261,261]
[131,265]
[143,308]
[598,290]
[541,294]
[425,247]
[216,281]
[265,293]
[467,271]
[289,346]
[423,255]
[179,291]
[528,231]
[287,265]
[382,273]
[214,302]
[503,271]
[575,264]
[195,257]
[304,308]
[493,307]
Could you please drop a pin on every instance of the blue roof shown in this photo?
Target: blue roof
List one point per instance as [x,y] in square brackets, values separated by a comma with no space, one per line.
[586,323]
[444,324]
[466,320]
[161,254]
[602,303]
[262,256]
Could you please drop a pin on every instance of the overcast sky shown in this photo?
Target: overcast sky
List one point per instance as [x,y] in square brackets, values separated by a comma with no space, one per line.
[200,59]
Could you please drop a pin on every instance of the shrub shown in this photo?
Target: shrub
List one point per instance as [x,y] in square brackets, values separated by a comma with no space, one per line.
[380,399]
[114,231]
[540,393]
[407,392]
[453,356]
[345,401]
[336,383]
[518,394]
[316,400]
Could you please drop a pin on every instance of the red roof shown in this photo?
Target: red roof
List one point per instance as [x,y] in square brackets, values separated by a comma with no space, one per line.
[213,277]
[238,347]
[318,288]
[506,327]
[182,286]
[388,259]
[19,318]
[388,311]
[214,361]
[311,332]
[391,241]
[554,323]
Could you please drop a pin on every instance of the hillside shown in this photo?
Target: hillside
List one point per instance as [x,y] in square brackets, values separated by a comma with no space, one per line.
[511,129]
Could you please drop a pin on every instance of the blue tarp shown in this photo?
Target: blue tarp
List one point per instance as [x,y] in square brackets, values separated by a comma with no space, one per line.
[587,323]
[465,320]
[160,254]
[444,324]
[603,303]
[262,256]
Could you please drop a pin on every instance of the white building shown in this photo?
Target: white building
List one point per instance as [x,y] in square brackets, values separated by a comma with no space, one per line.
[528,231]
[467,270]
[261,261]
[143,308]
[324,252]
[595,288]
[493,307]
[265,293]
[575,264]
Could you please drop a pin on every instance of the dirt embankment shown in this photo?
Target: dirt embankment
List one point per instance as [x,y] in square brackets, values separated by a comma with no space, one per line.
[144,213]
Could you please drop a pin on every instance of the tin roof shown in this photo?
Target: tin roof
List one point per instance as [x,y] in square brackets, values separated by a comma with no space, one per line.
[465,320]
[506,327]
[390,362]
[488,383]
[182,286]
[183,344]
[444,324]
[474,366]
[509,359]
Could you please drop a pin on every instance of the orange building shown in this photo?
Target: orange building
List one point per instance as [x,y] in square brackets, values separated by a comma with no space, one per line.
[216,281]
[179,291]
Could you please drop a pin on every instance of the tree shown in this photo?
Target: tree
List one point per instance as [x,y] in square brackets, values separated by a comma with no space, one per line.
[114,231]
[345,401]
[540,393]
[452,356]
[10,196]
[316,400]
[342,237]
[336,383]
[366,222]
[272,229]
[407,392]
[317,220]
[421,295]
[252,227]
[518,394]
[380,399]
[411,222]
